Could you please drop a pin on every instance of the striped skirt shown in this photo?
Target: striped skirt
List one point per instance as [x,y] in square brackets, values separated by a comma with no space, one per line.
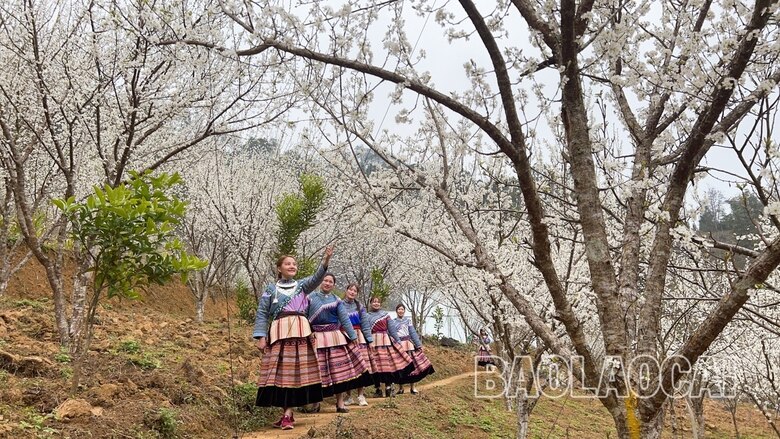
[362,346]
[341,363]
[289,374]
[422,365]
[422,368]
[389,362]
[483,357]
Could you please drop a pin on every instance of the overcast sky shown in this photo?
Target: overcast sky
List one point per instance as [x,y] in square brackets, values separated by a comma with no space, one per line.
[445,61]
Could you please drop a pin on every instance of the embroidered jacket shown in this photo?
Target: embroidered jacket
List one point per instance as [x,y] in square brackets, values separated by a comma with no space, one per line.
[358,318]
[327,309]
[380,321]
[484,342]
[288,297]
[406,329]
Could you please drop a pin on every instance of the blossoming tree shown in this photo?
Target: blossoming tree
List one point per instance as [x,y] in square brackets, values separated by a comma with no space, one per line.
[627,100]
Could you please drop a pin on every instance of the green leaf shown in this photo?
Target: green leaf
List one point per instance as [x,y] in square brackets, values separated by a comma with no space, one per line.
[131,229]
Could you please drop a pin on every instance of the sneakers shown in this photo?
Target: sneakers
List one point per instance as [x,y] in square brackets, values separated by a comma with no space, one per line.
[414,391]
[350,401]
[280,423]
[377,392]
[286,423]
[362,400]
[342,410]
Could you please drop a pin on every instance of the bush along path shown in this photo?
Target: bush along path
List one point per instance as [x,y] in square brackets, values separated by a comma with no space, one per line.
[307,425]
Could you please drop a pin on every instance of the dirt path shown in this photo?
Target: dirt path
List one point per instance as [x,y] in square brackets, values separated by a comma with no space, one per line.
[304,422]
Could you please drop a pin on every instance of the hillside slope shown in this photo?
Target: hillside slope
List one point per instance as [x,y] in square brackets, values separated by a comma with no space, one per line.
[153,372]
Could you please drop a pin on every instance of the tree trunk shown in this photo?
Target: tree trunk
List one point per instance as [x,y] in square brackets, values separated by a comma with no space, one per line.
[673,420]
[199,287]
[200,308]
[769,417]
[695,407]
[6,251]
[80,344]
[5,258]
[654,428]
[621,427]
[632,427]
[522,416]
[7,267]
[53,275]
[731,406]
[79,296]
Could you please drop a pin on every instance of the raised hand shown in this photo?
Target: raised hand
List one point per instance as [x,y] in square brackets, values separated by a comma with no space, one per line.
[328,253]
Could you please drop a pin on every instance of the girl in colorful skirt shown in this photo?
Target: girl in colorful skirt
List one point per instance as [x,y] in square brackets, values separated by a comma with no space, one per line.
[412,344]
[357,316]
[289,372]
[389,362]
[342,367]
[483,352]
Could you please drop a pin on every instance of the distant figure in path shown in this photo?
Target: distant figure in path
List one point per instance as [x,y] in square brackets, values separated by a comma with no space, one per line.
[483,352]
[289,371]
[411,343]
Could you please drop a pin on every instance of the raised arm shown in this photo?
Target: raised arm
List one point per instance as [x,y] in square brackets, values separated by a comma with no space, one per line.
[310,283]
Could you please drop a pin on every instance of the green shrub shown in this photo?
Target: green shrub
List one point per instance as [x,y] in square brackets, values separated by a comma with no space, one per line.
[130,346]
[246,302]
[62,357]
[146,361]
[163,421]
[37,423]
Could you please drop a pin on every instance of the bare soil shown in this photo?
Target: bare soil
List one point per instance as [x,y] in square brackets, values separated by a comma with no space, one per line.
[152,372]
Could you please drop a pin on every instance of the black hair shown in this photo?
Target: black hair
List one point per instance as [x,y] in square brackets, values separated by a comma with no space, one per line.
[357,289]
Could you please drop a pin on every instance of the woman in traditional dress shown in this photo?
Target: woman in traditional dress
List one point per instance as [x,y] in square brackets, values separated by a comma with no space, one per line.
[389,362]
[359,320]
[483,352]
[342,367]
[411,343]
[289,372]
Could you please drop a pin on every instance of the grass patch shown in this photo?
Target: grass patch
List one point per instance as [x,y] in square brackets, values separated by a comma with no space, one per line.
[241,407]
[62,357]
[164,421]
[66,372]
[36,305]
[146,360]
[129,346]
[36,423]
